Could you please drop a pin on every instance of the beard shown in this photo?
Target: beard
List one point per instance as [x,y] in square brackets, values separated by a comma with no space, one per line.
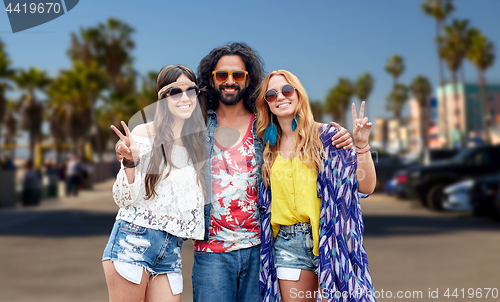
[232,100]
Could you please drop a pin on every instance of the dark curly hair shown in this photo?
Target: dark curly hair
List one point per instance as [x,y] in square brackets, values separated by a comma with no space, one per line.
[253,64]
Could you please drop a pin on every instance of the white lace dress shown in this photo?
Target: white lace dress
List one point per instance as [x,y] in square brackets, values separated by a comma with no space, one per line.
[178,206]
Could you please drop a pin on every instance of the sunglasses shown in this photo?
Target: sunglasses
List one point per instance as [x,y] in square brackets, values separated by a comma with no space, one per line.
[223,75]
[271,95]
[176,93]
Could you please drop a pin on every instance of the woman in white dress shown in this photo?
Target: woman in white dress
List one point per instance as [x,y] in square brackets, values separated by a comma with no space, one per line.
[160,190]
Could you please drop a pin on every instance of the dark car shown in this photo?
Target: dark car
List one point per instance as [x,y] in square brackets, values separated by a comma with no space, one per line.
[433,155]
[385,167]
[426,183]
[496,204]
[483,195]
[395,185]
[428,157]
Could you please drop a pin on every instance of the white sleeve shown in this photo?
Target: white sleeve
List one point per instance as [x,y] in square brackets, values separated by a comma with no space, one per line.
[125,193]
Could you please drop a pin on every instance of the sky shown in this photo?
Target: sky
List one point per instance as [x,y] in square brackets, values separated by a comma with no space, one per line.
[318,41]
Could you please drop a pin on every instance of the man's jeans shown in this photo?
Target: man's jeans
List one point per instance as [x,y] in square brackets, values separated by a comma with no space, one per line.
[227,277]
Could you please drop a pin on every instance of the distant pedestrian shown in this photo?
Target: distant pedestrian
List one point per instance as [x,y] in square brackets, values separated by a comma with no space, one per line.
[31,181]
[52,179]
[86,170]
[8,164]
[72,176]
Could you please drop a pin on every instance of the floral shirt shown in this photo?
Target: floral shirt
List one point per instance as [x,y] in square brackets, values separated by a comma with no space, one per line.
[234,223]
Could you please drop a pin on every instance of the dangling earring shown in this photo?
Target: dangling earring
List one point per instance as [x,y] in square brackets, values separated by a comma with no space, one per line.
[294,122]
[271,133]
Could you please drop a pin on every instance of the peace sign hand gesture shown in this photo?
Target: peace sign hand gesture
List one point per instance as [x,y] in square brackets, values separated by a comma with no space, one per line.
[361,126]
[126,147]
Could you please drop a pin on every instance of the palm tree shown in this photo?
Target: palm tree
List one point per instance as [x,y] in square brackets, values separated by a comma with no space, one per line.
[73,95]
[109,45]
[421,89]
[5,75]
[123,104]
[31,110]
[439,10]
[58,130]
[317,110]
[10,127]
[482,55]
[363,88]
[147,95]
[395,102]
[338,100]
[395,67]
[455,45]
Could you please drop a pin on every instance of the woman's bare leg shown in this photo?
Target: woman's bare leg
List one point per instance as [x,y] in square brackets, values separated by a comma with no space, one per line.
[122,290]
[303,290]
[159,290]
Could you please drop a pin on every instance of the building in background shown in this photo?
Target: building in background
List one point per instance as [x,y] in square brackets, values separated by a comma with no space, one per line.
[416,139]
[397,136]
[380,136]
[464,111]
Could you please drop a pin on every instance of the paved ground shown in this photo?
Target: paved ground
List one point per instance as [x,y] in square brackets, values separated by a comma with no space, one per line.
[52,252]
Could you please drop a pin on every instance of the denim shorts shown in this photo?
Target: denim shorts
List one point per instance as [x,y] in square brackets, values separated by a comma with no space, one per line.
[294,250]
[157,251]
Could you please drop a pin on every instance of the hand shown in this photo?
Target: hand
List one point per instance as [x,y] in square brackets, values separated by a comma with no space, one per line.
[118,150]
[362,127]
[126,146]
[342,138]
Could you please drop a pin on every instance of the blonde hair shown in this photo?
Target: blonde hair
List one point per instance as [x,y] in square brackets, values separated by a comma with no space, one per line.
[307,137]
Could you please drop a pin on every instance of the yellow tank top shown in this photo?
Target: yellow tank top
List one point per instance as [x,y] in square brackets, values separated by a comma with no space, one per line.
[294,196]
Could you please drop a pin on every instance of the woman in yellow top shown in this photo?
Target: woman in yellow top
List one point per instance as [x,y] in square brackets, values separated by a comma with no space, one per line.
[293,154]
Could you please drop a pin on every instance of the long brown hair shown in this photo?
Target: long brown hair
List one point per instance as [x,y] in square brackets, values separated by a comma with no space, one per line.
[308,144]
[191,134]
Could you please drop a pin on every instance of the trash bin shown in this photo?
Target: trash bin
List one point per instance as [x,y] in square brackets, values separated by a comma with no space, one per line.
[31,196]
[8,196]
[51,190]
[32,186]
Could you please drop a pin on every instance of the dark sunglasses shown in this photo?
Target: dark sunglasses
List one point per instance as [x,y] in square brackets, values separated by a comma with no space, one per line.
[176,93]
[271,95]
[223,75]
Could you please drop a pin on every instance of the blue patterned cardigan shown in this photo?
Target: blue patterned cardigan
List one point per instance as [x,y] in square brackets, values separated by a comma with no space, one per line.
[343,265]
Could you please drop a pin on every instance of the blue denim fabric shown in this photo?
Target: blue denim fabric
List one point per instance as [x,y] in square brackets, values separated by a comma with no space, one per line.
[209,145]
[294,247]
[157,251]
[227,277]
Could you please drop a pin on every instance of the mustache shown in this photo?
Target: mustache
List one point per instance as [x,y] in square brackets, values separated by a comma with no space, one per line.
[229,86]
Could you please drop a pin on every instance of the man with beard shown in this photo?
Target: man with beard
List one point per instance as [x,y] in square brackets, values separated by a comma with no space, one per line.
[226,264]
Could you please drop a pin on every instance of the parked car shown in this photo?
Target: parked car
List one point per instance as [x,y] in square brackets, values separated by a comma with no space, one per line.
[428,157]
[480,196]
[483,196]
[496,204]
[432,155]
[456,197]
[385,166]
[426,183]
[395,185]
